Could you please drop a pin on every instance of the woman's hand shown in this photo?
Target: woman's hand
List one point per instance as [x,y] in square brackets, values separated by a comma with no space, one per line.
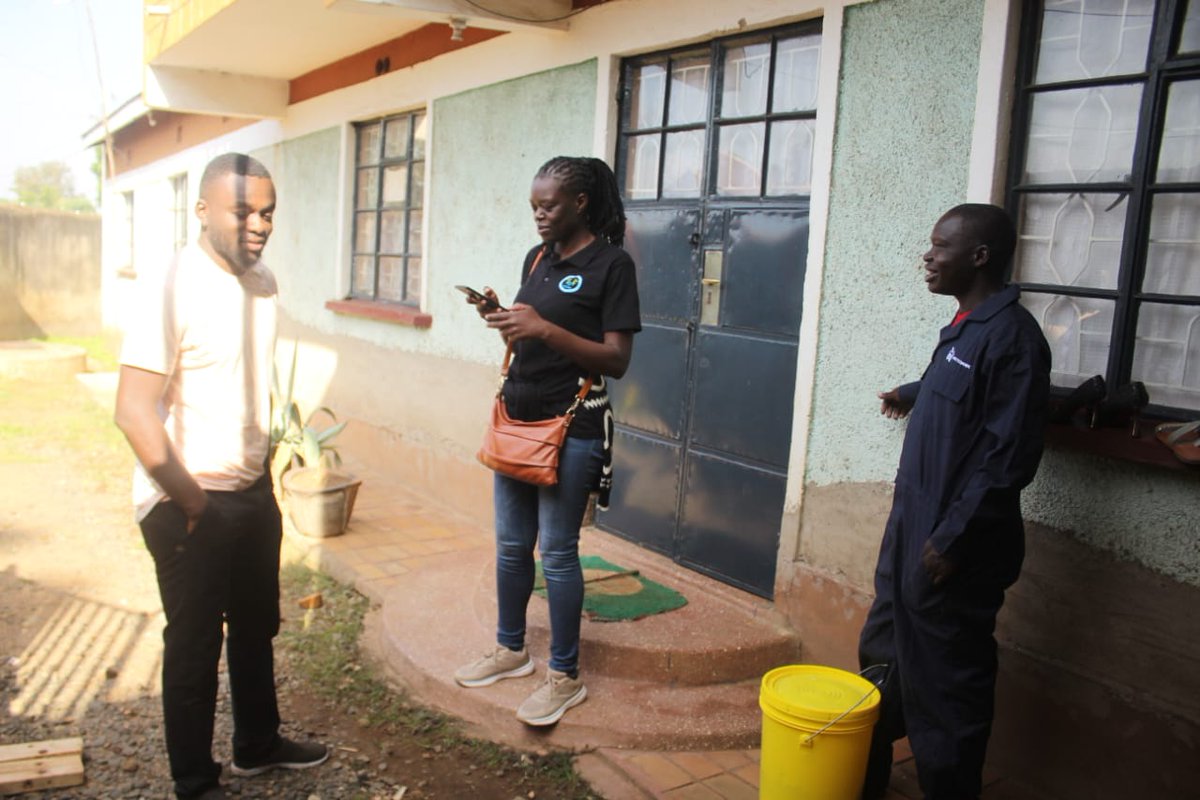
[519,322]
[483,307]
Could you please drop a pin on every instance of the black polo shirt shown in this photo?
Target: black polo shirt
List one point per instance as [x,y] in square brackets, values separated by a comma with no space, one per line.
[589,293]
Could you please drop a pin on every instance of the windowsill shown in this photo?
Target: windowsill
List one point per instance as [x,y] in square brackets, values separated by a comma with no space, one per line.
[382,312]
[1116,443]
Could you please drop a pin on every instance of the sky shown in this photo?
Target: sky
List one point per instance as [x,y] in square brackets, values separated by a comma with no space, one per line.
[49,88]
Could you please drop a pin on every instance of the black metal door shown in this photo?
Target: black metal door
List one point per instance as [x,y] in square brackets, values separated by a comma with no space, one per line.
[716,179]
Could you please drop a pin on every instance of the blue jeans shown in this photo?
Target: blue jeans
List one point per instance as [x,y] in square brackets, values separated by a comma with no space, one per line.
[524,513]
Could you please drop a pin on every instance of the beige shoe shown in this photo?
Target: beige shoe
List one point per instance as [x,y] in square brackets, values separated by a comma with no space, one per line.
[552,699]
[501,663]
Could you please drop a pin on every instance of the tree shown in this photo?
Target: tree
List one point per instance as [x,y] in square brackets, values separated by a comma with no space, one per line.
[48,185]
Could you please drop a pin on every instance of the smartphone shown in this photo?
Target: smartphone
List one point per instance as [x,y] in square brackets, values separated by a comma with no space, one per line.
[477,296]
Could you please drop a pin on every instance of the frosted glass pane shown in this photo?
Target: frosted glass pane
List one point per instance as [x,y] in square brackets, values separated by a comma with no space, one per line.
[391,232]
[1179,155]
[416,198]
[1078,330]
[1093,38]
[739,160]
[796,66]
[647,88]
[419,135]
[364,232]
[684,164]
[368,188]
[414,232]
[412,282]
[368,143]
[1166,355]
[391,279]
[395,138]
[744,92]
[1189,41]
[362,276]
[1173,252]
[395,184]
[1082,135]
[789,168]
[1070,240]
[689,91]
[641,168]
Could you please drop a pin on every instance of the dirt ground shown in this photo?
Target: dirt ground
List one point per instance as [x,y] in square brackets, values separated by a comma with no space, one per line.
[80,628]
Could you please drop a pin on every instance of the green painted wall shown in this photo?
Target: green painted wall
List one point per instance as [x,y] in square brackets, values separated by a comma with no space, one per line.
[902,148]
[303,251]
[487,145]
[906,103]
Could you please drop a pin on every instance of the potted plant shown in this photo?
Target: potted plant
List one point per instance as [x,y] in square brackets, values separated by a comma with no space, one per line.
[304,462]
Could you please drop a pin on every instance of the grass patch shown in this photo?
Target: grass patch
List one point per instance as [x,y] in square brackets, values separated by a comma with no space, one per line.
[323,650]
[51,420]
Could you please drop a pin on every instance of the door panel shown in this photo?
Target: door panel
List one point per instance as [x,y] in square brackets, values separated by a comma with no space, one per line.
[660,242]
[715,154]
[743,396]
[652,396]
[730,521]
[764,270]
[645,491]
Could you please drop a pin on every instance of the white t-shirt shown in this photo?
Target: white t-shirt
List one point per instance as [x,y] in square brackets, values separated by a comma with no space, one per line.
[213,335]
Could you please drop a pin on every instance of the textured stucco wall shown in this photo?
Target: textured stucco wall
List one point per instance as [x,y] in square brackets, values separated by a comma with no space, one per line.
[484,147]
[901,150]
[303,251]
[488,143]
[901,155]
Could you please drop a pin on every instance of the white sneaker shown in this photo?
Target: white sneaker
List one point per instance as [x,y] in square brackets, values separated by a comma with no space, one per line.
[501,663]
[552,699]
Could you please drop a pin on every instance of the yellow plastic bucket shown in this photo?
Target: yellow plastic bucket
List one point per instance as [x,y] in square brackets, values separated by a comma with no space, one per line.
[816,733]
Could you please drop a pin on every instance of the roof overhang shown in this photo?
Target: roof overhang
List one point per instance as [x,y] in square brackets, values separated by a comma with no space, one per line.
[238,61]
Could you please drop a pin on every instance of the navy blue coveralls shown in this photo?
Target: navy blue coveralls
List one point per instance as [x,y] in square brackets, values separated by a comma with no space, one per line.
[974,441]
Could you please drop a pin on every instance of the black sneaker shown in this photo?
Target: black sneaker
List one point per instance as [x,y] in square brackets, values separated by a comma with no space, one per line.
[214,793]
[286,755]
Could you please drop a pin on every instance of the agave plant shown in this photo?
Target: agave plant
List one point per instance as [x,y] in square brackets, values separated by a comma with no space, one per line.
[295,442]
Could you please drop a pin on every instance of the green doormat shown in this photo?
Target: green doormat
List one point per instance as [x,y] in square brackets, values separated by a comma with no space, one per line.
[612,593]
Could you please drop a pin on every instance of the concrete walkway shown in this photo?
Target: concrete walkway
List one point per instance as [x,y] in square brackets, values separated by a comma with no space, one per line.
[394,533]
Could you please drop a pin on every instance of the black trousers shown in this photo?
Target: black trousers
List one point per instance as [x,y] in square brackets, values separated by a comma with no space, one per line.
[940,650]
[223,574]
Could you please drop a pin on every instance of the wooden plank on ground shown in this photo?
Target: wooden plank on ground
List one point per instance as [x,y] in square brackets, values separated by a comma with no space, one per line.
[50,747]
[32,766]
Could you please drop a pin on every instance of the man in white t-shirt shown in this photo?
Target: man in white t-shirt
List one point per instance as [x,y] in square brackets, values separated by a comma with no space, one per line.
[194,403]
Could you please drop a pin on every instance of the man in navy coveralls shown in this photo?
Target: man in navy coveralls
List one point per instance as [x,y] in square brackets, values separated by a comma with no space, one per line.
[954,540]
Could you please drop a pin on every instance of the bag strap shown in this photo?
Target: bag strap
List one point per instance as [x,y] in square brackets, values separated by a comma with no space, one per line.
[583,390]
[509,351]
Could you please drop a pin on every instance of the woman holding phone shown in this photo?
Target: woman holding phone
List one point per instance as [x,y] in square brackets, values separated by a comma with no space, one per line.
[574,317]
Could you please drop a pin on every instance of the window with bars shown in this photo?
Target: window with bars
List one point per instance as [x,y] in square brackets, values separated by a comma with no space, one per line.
[1105,187]
[732,119]
[389,187]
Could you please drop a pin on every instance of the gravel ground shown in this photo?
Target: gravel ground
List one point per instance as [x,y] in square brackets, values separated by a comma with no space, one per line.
[80,641]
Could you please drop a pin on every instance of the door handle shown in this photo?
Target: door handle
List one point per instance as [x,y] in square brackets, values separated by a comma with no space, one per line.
[711,281]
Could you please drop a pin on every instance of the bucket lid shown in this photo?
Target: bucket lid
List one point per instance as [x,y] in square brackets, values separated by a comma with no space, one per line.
[820,693]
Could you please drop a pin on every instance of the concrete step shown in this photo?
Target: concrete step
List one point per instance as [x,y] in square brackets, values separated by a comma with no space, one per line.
[687,679]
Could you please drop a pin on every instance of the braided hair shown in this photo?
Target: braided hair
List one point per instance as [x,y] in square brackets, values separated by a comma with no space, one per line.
[605,213]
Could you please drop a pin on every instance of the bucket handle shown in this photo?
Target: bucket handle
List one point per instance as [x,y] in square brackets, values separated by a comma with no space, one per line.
[808,740]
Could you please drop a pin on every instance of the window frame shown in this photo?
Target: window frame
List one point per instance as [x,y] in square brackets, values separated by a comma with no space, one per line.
[1162,68]
[713,122]
[357,300]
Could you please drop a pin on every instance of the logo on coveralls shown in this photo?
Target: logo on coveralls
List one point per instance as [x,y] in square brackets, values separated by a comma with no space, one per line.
[570,284]
[952,357]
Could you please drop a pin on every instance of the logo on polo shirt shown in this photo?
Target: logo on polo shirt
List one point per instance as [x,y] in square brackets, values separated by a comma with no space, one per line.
[570,284]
